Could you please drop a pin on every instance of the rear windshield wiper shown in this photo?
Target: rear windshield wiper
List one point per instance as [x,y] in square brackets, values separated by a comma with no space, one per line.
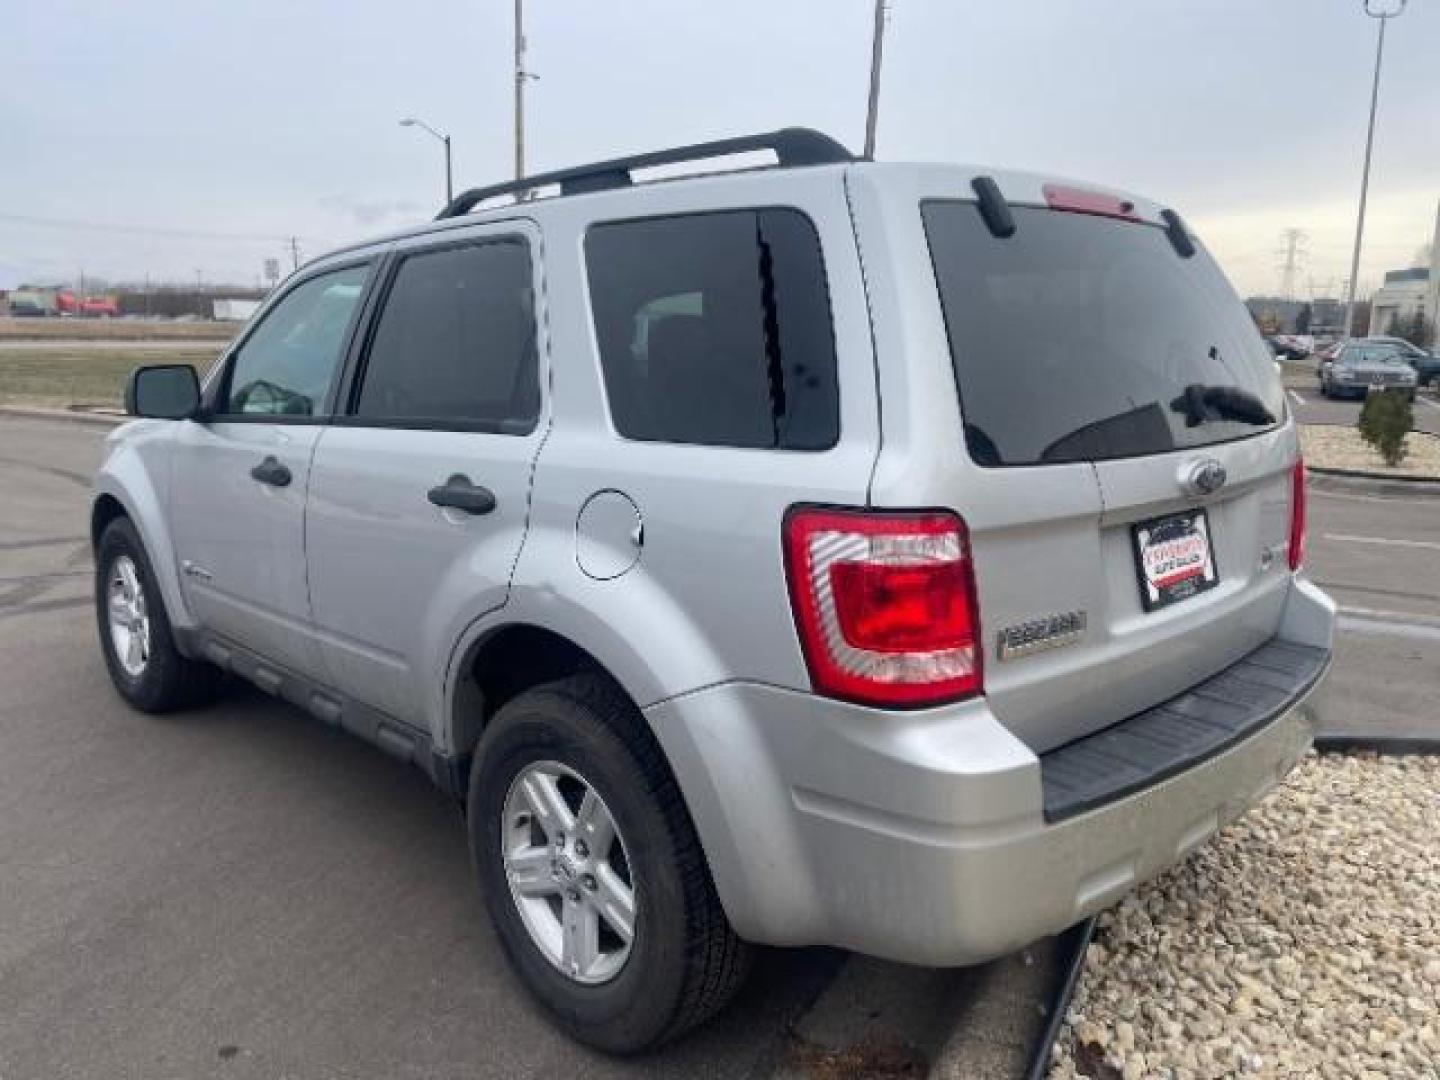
[1200,404]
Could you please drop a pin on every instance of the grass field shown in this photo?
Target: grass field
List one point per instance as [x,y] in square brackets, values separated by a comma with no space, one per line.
[94,376]
[113,330]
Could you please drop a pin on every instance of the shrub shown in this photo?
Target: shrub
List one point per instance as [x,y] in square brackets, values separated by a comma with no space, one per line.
[1385,422]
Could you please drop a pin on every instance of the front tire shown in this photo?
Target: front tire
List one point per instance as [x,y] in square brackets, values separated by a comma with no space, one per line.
[136,638]
[592,872]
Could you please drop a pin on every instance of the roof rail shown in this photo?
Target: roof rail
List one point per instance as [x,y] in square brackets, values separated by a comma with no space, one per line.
[792,147]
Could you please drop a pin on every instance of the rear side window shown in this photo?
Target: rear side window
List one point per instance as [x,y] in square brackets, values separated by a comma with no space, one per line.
[1084,338]
[455,343]
[715,329]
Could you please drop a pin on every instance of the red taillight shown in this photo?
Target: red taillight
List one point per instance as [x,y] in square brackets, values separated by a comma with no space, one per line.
[885,605]
[1297,515]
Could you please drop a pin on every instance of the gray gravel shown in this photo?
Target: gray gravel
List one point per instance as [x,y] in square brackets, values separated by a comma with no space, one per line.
[1303,941]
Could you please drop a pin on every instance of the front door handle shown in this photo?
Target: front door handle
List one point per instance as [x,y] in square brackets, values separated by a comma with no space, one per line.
[271,472]
[458,493]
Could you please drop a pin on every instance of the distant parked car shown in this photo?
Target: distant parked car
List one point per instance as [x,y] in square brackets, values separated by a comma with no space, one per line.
[1286,347]
[1425,363]
[1329,352]
[1361,366]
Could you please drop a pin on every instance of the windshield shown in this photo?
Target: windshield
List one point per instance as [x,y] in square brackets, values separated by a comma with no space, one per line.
[1083,338]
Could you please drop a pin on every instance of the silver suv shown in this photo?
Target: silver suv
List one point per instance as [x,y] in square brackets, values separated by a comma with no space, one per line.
[904,558]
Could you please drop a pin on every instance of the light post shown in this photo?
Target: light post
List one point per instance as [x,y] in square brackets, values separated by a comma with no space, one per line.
[877,52]
[411,121]
[1383,15]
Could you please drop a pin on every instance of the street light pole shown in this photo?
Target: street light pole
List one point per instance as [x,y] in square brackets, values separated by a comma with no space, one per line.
[877,51]
[449,175]
[1383,17]
[411,121]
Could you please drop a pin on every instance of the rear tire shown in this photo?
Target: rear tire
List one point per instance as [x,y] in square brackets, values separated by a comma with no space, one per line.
[136,638]
[683,961]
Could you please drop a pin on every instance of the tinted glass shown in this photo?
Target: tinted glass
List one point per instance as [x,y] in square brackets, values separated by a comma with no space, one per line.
[715,329]
[286,366]
[1079,337]
[456,341]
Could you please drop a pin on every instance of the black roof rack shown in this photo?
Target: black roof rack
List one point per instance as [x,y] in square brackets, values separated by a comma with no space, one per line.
[792,147]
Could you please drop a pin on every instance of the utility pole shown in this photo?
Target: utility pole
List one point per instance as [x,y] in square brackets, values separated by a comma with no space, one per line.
[294,253]
[520,77]
[1384,17]
[877,51]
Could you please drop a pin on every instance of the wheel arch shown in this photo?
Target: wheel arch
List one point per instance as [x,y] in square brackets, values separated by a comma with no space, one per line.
[129,493]
[503,661]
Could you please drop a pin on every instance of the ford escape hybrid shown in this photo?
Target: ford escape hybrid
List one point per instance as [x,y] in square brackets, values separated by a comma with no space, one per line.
[904,558]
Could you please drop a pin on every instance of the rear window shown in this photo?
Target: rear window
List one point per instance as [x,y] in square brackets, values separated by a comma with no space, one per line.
[715,329]
[1083,338]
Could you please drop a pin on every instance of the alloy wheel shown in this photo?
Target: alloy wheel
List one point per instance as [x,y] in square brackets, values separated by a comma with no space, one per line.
[129,617]
[568,872]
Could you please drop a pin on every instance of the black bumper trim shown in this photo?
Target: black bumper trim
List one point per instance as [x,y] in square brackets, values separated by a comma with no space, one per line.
[1177,734]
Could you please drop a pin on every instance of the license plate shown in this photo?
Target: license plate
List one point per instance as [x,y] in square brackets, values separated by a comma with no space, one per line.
[1173,558]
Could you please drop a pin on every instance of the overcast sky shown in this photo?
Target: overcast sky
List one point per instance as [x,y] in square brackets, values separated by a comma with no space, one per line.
[174,136]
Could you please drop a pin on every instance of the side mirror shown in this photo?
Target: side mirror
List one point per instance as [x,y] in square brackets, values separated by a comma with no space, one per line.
[163,392]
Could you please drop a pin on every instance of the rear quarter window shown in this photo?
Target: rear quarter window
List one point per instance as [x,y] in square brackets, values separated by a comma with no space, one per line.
[715,329]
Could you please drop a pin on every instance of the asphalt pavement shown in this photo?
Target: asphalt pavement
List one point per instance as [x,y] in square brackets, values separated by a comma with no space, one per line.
[243,892]
[1311,407]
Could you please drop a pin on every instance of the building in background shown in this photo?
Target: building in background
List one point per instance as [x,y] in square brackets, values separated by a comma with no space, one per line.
[233,310]
[1405,294]
[1327,315]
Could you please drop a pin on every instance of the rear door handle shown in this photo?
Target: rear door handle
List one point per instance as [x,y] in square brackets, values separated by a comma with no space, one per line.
[271,472]
[458,493]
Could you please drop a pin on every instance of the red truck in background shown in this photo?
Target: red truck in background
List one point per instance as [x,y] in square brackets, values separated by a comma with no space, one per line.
[50,302]
[94,307]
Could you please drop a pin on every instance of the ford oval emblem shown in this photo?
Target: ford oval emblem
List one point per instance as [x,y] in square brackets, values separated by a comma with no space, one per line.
[1204,477]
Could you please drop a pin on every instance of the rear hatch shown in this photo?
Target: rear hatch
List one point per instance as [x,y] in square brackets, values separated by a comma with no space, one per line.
[1088,340]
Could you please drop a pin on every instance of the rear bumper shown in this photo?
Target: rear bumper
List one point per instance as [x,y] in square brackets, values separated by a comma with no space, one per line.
[923,837]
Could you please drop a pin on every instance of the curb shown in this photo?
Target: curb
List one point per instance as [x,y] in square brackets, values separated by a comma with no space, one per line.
[1355,474]
[1078,939]
[1395,487]
[1390,745]
[71,416]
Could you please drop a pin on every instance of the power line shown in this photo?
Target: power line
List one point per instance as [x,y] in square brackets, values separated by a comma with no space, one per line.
[139,230]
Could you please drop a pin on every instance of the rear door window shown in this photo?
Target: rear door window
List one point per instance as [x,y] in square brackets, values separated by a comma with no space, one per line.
[715,329]
[1085,338]
[455,342]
